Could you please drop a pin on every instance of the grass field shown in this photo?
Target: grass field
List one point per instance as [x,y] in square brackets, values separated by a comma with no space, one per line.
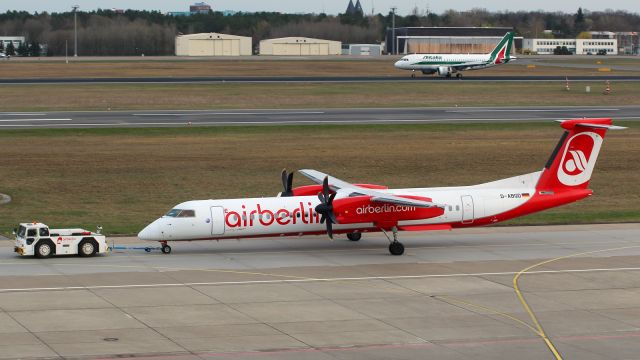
[310,95]
[382,66]
[123,179]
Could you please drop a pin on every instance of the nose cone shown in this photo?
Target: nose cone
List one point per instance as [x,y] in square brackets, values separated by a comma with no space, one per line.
[398,64]
[151,233]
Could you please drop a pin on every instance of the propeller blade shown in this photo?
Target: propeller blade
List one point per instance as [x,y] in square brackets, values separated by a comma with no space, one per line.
[325,187]
[290,182]
[332,217]
[284,179]
[287,183]
[330,230]
[322,219]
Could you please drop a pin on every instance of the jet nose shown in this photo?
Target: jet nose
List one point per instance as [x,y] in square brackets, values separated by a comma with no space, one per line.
[151,233]
[398,64]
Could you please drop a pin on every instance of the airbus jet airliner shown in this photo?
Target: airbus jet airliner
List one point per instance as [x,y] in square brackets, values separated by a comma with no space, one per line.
[335,206]
[448,64]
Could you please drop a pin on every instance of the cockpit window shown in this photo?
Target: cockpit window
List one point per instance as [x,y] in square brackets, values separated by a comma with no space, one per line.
[187,213]
[173,213]
[181,213]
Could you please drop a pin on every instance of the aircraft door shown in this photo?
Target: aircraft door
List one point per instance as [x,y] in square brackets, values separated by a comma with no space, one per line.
[467,209]
[217,220]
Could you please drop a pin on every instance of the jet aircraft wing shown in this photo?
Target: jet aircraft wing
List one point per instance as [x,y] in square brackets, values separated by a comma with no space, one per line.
[354,190]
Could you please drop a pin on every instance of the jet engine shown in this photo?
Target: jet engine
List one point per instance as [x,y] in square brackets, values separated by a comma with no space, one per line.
[444,71]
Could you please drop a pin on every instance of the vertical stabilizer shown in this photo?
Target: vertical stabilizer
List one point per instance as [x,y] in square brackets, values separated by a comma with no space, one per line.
[502,52]
[574,158]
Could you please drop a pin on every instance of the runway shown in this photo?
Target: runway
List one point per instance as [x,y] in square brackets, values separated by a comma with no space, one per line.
[450,297]
[181,118]
[304,79]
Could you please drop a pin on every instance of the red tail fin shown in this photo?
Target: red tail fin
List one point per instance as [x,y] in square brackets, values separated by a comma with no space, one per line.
[572,161]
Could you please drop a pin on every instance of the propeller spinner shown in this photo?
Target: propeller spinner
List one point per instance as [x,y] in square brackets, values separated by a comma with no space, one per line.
[325,208]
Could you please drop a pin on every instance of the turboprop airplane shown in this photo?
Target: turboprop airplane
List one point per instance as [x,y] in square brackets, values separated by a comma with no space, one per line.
[448,64]
[333,206]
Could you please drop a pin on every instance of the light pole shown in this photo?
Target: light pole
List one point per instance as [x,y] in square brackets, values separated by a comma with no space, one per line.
[75,30]
[393,30]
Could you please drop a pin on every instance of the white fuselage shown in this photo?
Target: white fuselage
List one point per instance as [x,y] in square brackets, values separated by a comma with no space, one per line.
[431,62]
[287,216]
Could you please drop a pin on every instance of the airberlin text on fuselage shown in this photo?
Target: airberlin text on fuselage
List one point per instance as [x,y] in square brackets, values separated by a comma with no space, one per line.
[304,214]
[379,209]
[266,217]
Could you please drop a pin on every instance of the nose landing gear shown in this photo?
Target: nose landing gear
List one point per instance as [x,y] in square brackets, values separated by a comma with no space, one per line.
[166,249]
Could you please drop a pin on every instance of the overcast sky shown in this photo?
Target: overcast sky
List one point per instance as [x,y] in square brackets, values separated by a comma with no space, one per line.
[317,6]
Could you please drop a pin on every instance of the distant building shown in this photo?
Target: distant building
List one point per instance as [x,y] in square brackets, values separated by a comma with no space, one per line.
[200,8]
[16,40]
[354,9]
[213,44]
[446,40]
[362,49]
[628,43]
[575,46]
[299,46]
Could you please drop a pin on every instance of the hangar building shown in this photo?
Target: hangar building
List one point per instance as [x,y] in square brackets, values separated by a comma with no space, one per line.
[300,46]
[446,40]
[212,44]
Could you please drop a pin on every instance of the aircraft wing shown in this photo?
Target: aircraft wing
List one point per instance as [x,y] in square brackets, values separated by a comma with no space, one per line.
[468,65]
[353,190]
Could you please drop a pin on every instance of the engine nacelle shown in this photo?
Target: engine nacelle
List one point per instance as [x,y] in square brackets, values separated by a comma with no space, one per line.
[444,70]
[359,209]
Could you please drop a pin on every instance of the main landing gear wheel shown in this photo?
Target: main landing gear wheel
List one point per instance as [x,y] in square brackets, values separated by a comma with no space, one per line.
[166,249]
[354,236]
[459,76]
[396,248]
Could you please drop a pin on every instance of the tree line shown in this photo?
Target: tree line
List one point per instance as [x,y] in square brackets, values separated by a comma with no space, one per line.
[105,32]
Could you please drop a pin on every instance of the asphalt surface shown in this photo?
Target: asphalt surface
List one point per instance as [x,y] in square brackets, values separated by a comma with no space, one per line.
[178,118]
[304,79]
[451,296]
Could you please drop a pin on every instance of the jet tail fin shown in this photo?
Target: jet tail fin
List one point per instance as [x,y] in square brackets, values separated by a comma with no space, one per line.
[502,52]
[573,160]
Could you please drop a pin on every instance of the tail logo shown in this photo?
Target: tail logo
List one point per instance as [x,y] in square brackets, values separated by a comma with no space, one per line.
[579,158]
[500,57]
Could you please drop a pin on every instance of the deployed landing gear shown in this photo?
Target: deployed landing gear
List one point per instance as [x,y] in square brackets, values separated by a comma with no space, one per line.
[413,74]
[459,76]
[166,249]
[395,246]
[354,236]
